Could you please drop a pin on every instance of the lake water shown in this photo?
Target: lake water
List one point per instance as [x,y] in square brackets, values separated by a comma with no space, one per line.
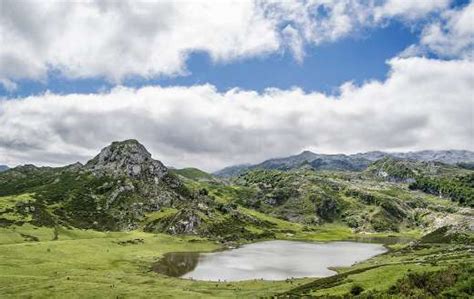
[269,260]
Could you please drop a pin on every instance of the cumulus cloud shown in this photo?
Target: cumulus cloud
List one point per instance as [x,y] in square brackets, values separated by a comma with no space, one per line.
[409,10]
[422,104]
[118,39]
[452,35]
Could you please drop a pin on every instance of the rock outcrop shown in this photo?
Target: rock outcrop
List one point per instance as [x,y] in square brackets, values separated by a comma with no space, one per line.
[128,158]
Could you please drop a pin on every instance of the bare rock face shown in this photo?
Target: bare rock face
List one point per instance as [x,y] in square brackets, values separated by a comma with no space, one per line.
[129,158]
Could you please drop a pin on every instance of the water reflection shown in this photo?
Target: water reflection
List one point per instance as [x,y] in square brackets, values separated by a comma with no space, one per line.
[387,240]
[269,260]
[177,264]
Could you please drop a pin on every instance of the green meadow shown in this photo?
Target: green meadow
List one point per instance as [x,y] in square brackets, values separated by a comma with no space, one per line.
[43,262]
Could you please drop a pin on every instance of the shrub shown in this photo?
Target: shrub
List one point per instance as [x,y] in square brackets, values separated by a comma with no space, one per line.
[356,289]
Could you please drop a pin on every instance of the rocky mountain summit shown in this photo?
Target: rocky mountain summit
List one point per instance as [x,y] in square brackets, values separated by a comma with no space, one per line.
[128,158]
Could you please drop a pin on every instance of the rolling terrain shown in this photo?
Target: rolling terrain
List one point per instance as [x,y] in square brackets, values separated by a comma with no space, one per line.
[95,230]
[342,162]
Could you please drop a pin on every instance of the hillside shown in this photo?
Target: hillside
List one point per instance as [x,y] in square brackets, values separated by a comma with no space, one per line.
[121,189]
[124,188]
[112,218]
[363,205]
[193,174]
[113,191]
[354,162]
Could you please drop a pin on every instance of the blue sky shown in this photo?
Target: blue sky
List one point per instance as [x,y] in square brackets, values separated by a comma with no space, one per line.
[325,67]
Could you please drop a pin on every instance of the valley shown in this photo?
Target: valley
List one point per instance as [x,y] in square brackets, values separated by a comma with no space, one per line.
[96,230]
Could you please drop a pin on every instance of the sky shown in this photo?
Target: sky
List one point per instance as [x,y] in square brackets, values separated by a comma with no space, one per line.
[210,84]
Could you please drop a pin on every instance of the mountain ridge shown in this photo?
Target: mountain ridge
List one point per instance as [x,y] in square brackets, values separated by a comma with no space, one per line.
[351,162]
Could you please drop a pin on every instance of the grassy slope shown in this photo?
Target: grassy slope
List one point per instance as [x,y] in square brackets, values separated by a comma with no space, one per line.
[92,264]
[193,173]
[296,231]
[383,271]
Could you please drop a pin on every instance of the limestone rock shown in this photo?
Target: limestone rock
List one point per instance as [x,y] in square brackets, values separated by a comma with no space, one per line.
[129,158]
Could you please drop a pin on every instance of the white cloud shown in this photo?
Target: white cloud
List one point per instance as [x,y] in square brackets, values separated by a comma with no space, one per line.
[116,39]
[409,9]
[423,104]
[8,84]
[452,35]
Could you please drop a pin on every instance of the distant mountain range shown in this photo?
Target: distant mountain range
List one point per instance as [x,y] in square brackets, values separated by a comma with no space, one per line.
[3,168]
[342,162]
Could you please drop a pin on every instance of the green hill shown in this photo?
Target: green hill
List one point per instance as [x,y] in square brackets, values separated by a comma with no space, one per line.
[193,173]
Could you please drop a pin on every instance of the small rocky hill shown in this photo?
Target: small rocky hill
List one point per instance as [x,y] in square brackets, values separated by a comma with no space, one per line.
[113,191]
[129,158]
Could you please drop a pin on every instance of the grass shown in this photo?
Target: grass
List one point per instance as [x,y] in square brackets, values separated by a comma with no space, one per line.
[381,272]
[378,279]
[193,173]
[96,265]
[165,212]
[8,203]
[87,263]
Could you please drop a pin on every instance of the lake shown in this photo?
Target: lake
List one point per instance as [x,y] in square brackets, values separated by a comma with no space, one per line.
[269,260]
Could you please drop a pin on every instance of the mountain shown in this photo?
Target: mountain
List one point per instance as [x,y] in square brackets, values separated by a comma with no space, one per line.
[306,159]
[129,158]
[445,156]
[401,170]
[231,171]
[342,162]
[121,189]
[112,191]
[125,188]
[316,161]
[3,168]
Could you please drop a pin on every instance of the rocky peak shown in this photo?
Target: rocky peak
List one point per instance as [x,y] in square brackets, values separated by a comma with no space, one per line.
[129,158]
